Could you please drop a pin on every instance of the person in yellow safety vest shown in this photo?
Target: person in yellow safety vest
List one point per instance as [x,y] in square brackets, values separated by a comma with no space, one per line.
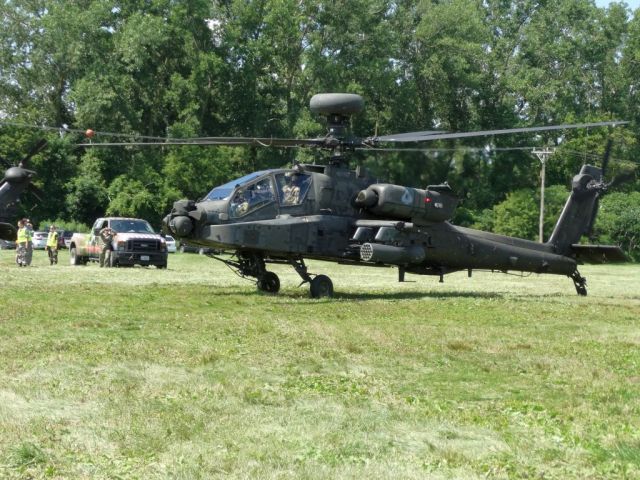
[52,245]
[21,244]
[29,229]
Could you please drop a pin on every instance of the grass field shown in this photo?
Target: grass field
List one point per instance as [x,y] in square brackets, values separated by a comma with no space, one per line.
[191,373]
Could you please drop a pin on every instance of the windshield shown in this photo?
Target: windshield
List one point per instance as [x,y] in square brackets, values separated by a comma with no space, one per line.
[133,226]
[224,191]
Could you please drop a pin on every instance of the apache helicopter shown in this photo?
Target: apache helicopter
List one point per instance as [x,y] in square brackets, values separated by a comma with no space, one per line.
[334,213]
[17,179]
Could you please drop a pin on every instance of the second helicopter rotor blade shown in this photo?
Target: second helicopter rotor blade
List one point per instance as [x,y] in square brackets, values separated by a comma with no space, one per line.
[36,149]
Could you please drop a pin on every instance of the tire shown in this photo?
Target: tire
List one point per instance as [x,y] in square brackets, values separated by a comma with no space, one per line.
[269,282]
[113,261]
[74,259]
[181,248]
[321,286]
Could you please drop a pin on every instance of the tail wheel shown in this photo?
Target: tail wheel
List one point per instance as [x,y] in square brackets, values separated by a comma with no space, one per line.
[321,286]
[269,282]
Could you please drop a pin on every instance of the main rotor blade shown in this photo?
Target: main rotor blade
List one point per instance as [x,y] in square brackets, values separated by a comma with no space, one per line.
[486,133]
[402,137]
[258,142]
[36,149]
[35,191]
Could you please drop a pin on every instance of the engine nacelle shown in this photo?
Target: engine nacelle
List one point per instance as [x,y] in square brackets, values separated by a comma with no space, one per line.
[435,204]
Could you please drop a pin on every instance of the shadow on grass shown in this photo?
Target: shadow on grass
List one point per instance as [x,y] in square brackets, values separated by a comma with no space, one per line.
[416,295]
[302,295]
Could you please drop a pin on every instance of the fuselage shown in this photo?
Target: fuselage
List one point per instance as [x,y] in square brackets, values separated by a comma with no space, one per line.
[337,214]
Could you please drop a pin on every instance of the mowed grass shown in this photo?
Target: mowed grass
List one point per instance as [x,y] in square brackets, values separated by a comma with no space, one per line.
[191,373]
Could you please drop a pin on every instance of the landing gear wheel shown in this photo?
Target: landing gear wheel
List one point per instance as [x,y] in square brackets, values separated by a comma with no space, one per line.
[269,282]
[321,286]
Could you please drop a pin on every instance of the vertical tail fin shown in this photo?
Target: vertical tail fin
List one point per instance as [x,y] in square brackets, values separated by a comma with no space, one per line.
[579,212]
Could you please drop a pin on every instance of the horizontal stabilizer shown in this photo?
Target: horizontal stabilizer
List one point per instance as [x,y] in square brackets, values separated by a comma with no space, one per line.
[599,254]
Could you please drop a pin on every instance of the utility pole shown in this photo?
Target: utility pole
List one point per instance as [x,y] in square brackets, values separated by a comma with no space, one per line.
[543,155]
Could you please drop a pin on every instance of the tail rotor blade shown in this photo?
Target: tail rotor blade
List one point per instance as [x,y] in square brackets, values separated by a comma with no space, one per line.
[620,179]
[592,220]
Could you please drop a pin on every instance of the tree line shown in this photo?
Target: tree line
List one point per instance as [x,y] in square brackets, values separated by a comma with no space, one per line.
[249,67]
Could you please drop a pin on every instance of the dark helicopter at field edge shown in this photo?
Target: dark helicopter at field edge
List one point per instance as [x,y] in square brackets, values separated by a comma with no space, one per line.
[335,213]
[17,179]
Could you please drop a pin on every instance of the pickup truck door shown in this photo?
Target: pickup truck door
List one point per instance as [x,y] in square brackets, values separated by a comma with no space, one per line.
[94,245]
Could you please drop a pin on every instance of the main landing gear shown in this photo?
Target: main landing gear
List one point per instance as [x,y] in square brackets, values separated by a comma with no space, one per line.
[250,264]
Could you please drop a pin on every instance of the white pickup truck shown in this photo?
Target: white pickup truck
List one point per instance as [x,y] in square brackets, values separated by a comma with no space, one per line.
[135,243]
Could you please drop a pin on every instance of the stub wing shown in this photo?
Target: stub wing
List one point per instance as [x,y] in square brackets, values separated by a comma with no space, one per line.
[599,254]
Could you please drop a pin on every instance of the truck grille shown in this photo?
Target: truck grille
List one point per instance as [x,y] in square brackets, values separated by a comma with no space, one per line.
[139,245]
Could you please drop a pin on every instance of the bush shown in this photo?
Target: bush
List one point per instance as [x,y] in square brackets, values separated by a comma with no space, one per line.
[618,222]
[60,224]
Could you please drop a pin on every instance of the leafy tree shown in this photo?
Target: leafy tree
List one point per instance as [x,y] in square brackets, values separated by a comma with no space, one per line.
[88,197]
[519,214]
[618,222]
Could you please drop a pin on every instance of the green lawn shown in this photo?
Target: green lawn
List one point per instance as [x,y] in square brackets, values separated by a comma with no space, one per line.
[191,373]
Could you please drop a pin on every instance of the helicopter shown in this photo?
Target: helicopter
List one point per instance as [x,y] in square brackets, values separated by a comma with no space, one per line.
[336,213]
[17,179]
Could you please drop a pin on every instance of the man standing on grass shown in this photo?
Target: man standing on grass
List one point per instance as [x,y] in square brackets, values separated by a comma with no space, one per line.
[52,245]
[29,232]
[21,244]
[107,235]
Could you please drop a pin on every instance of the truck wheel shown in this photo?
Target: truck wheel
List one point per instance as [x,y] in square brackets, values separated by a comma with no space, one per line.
[74,259]
[113,261]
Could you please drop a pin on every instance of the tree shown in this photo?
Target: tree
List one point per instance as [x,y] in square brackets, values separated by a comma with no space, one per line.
[519,215]
[618,222]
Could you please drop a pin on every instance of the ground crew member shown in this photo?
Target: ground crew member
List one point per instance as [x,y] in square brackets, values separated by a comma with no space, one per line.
[21,245]
[106,235]
[29,231]
[52,245]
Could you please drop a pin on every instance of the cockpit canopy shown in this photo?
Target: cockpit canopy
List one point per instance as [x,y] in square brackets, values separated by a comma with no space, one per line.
[265,187]
[223,192]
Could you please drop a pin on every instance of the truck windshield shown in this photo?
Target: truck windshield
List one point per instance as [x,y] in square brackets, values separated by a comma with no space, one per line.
[224,191]
[134,226]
